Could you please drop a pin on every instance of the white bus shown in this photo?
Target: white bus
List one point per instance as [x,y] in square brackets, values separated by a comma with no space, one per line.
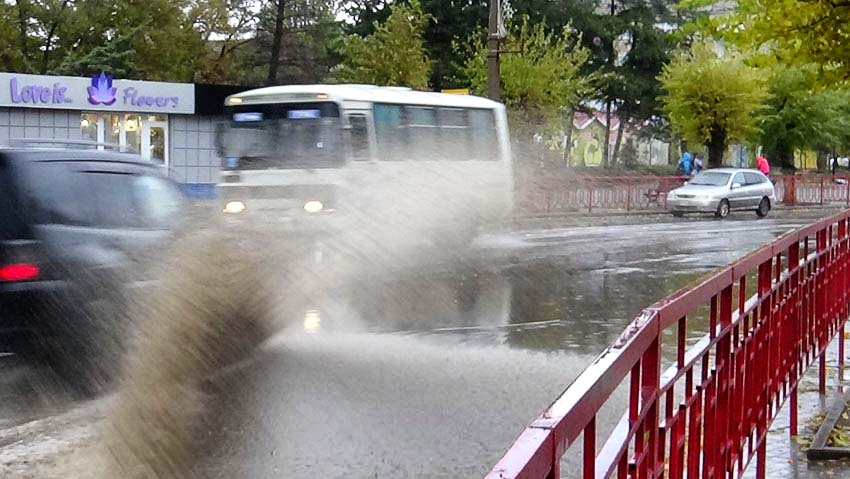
[356,156]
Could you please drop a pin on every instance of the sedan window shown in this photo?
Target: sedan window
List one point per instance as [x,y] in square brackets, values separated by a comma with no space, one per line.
[710,178]
[739,178]
[753,178]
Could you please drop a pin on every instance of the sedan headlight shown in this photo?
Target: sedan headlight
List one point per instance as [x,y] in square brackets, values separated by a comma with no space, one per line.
[313,206]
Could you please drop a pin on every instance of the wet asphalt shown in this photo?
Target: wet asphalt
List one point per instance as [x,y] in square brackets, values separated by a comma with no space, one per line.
[435,371]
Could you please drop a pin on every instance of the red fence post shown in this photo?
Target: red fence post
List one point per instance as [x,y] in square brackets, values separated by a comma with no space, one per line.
[629,194]
[589,470]
[793,286]
[820,307]
[790,197]
[847,189]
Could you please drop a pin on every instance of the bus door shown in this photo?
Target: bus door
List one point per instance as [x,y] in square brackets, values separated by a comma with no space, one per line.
[360,136]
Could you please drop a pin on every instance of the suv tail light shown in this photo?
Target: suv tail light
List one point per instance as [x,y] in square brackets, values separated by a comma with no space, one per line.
[19,272]
[21,261]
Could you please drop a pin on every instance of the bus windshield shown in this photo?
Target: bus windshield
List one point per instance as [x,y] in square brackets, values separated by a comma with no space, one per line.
[281,136]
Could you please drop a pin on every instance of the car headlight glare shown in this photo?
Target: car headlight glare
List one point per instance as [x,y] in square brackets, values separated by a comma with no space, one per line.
[312,320]
[234,207]
[313,206]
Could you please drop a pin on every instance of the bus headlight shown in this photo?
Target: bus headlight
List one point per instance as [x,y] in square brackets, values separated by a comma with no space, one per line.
[313,206]
[234,207]
[312,320]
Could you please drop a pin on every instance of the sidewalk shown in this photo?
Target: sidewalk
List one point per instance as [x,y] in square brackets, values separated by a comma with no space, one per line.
[786,457]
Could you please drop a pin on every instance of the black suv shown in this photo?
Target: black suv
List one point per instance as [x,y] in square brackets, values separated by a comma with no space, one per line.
[75,229]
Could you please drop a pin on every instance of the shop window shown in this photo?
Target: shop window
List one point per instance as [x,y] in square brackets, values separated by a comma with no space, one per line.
[132,141]
[88,126]
[134,133]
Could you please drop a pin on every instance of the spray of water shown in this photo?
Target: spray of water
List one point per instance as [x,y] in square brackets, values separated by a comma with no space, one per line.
[212,308]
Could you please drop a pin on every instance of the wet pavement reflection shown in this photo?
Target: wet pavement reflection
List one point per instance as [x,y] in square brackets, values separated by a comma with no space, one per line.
[434,374]
[434,371]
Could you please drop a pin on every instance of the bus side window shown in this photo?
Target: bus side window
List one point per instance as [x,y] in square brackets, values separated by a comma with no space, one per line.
[389,131]
[422,126]
[359,137]
[482,124]
[454,134]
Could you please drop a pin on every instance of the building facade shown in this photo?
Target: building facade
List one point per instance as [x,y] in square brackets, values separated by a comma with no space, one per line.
[172,123]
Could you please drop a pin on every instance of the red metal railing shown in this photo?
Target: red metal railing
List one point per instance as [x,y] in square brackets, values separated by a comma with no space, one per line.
[770,316]
[588,193]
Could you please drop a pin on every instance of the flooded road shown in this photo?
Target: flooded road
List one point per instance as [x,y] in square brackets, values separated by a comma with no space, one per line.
[434,372]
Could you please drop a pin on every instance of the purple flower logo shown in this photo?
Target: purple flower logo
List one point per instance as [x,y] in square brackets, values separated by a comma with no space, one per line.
[101,91]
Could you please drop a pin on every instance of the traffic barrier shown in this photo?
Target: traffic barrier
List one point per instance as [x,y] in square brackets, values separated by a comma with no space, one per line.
[770,316]
[561,194]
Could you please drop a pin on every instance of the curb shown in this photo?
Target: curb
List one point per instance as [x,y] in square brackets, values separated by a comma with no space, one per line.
[602,213]
[819,451]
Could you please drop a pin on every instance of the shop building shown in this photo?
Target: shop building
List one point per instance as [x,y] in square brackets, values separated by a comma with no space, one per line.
[172,123]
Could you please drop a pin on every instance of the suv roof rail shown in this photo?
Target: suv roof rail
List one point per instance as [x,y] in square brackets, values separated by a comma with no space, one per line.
[54,143]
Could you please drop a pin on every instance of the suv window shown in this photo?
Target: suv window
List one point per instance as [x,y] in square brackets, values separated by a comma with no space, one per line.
[12,223]
[158,200]
[113,197]
[753,178]
[67,194]
[60,195]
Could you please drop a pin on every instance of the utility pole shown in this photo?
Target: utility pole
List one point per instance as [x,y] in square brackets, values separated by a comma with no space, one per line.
[494,78]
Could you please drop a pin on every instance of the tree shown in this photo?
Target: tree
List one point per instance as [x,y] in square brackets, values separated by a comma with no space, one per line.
[802,117]
[712,100]
[167,47]
[629,41]
[297,41]
[226,27]
[116,57]
[11,58]
[791,32]
[364,15]
[393,55]
[541,76]
[451,21]
[54,35]
[542,83]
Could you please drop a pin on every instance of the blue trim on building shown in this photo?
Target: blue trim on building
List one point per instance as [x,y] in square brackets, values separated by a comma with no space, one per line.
[199,191]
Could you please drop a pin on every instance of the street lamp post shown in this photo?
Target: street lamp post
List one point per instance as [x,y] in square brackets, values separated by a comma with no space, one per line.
[493,72]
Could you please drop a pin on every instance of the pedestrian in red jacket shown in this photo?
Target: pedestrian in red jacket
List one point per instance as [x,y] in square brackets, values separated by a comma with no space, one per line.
[763,165]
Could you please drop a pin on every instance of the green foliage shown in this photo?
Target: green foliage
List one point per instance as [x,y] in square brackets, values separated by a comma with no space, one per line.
[791,32]
[226,27]
[393,55]
[451,21]
[542,74]
[166,45]
[800,116]
[629,153]
[310,43]
[11,57]
[712,100]
[116,57]
[75,35]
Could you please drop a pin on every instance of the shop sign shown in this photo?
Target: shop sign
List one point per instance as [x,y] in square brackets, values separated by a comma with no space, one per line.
[100,92]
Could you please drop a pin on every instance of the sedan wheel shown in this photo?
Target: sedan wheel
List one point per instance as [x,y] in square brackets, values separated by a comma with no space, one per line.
[722,209]
[764,208]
